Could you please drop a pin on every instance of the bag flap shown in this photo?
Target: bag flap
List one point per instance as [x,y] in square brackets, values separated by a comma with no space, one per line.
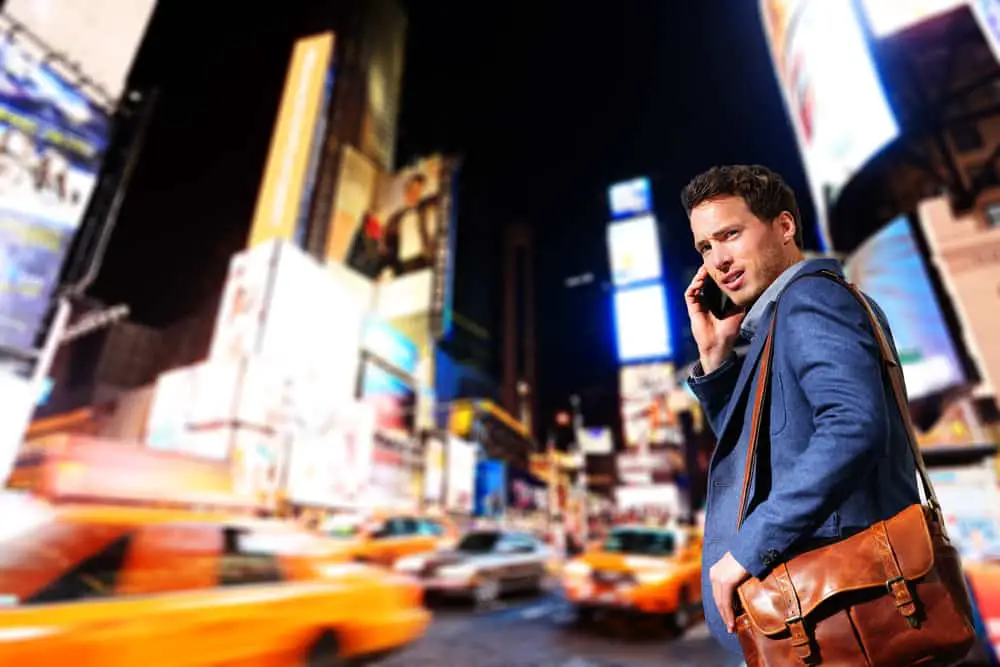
[848,565]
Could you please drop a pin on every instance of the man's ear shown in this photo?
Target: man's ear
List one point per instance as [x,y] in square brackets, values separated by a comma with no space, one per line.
[788,227]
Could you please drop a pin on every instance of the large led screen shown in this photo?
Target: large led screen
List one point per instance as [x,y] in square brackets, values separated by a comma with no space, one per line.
[832,91]
[890,268]
[634,247]
[641,323]
[630,197]
[889,16]
[52,142]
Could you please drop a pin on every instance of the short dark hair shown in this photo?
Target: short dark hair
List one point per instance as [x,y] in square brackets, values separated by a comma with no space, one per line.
[764,191]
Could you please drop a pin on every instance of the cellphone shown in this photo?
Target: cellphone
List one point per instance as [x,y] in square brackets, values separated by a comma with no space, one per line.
[713,298]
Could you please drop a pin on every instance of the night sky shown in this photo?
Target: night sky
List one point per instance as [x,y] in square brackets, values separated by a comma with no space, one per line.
[548,105]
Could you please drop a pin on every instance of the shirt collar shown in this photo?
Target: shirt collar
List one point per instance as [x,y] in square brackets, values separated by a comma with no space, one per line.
[763,304]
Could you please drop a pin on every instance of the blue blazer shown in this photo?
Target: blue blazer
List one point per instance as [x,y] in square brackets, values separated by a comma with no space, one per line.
[838,455]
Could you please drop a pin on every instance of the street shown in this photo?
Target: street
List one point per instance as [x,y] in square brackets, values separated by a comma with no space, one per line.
[542,632]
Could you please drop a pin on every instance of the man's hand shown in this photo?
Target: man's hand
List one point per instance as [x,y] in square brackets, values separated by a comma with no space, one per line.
[715,338]
[726,576]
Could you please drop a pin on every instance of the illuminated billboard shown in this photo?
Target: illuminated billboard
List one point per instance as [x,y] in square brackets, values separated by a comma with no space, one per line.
[291,160]
[395,229]
[641,323]
[987,13]
[81,30]
[889,16]
[890,268]
[832,92]
[52,143]
[634,247]
[630,198]
[647,405]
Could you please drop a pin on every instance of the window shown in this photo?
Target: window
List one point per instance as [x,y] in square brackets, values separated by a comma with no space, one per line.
[431,528]
[517,544]
[397,527]
[94,577]
[243,562]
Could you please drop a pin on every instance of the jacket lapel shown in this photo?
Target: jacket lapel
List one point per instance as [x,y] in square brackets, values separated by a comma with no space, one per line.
[747,372]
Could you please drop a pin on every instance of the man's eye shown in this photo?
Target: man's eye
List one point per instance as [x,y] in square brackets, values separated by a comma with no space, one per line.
[731,233]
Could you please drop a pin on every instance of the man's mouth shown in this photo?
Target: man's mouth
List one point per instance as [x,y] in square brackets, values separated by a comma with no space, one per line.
[733,280]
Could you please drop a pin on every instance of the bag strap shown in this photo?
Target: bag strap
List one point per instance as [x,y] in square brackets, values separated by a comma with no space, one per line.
[891,368]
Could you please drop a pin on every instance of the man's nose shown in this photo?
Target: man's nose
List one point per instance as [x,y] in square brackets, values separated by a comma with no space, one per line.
[720,259]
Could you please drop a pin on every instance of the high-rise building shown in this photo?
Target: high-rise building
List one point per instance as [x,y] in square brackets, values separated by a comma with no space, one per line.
[519,377]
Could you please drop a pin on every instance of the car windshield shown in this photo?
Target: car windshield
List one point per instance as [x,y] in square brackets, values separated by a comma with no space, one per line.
[478,542]
[640,542]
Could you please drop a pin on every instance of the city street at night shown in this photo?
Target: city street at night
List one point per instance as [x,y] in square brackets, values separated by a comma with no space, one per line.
[542,632]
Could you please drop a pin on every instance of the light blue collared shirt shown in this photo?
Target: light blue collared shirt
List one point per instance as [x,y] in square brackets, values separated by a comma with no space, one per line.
[764,302]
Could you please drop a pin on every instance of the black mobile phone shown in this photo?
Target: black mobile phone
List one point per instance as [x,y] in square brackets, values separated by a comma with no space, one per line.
[713,298]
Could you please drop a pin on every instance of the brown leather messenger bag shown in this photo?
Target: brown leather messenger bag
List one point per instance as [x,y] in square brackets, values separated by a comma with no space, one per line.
[892,595]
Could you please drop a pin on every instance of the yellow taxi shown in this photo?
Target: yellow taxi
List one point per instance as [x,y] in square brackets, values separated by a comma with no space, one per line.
[385,538]
[637,569]
[88,583]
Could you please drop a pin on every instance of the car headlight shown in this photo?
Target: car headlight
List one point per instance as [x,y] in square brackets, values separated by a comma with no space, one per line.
[652,577]
[577,569]
[456,572]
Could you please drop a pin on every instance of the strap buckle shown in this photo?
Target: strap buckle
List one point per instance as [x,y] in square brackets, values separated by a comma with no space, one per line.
[892,582]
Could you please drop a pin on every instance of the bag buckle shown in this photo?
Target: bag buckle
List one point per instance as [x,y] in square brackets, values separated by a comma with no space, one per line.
[892,582]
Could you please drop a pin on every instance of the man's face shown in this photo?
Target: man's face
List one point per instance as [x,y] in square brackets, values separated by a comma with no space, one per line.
[414,189]
[742,253]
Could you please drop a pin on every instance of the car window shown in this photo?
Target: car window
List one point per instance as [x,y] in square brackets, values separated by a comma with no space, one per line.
[431,528]
[479,542]
[515,544]
[640,542]
[246,559]
[396,527]
[94,577]
[170,557]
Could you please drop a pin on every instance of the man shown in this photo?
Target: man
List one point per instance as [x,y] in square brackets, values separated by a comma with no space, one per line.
[410,232]
[836,459]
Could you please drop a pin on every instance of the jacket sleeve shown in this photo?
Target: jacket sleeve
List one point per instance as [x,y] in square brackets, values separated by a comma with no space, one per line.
[827,338]
[715,389]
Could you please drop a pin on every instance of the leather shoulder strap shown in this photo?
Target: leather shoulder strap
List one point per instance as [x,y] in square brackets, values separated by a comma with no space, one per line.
[891,369]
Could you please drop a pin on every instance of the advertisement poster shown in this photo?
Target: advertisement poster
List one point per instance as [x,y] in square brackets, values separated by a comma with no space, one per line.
[80,30]
[524,492]
[460,485]
[641,323]
[392,398]
[434,469]
[987,13]
[832,91]
[240,323]
[392,228]
[634,246]
[595,441]
[52,141]
[889,16]
[285,191]
[491,489]
[329,465]
[647,417]
[971,504]
[889,267]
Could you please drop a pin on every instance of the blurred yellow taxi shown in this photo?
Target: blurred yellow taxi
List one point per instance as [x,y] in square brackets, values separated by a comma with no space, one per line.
[119,586]
[386,538]
[639,569]
[106,562]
